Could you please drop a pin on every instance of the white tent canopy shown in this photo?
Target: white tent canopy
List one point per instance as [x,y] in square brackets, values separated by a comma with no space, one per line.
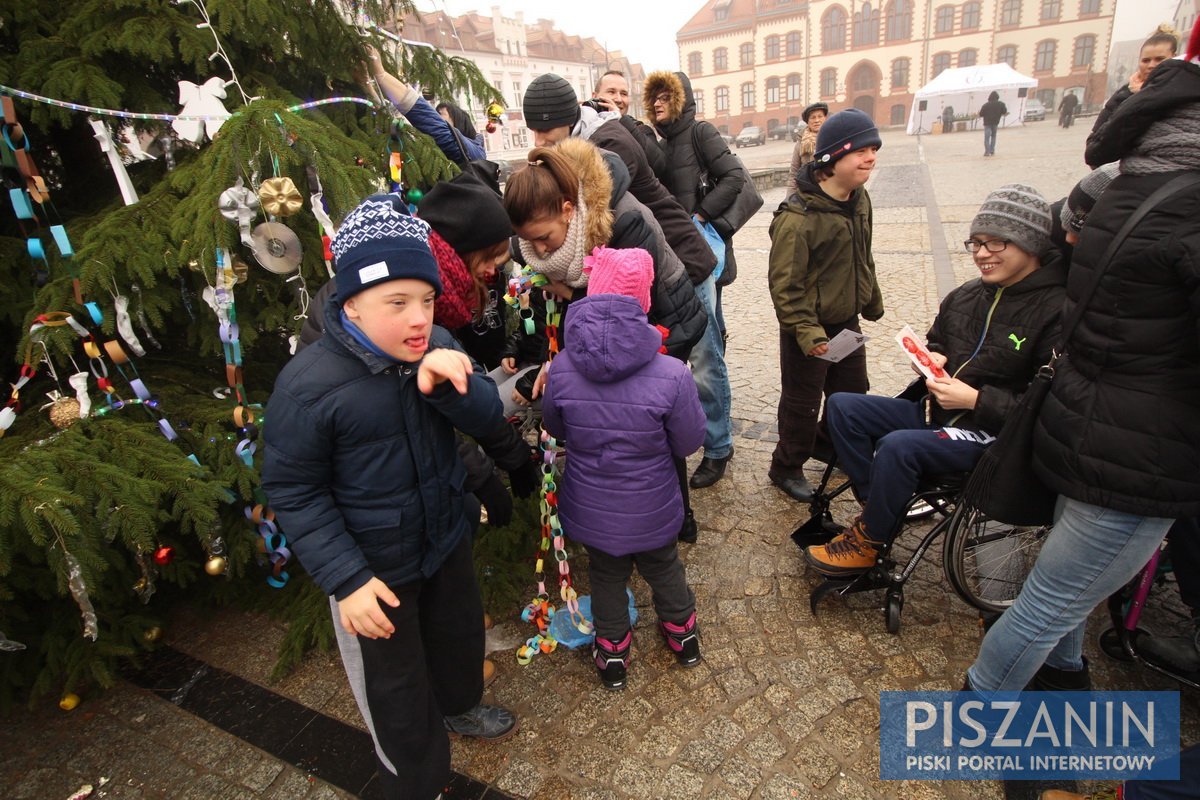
[966,89]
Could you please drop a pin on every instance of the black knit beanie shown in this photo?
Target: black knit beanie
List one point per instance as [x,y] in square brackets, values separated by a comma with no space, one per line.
[550,102]
[466,212]
[846,131]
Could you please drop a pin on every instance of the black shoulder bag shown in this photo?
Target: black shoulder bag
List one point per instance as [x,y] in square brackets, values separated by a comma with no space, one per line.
[1003,485]
[744,206]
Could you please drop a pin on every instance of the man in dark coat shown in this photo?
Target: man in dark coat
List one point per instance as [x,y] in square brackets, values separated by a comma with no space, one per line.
[992,112]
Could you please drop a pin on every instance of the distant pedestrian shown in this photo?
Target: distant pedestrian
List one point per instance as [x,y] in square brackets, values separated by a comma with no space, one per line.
[1066,109]
[806,148]
[627,412]
[992,112]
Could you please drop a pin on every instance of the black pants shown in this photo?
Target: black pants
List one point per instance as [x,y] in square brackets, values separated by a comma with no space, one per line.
[1184,537]
[609,575]
[430,667]
[803,380]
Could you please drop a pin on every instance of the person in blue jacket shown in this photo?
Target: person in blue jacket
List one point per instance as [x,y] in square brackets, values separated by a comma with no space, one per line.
[416,109]
[362,470]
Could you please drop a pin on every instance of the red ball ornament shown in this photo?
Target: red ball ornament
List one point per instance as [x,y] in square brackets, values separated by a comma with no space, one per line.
[491,127]
[164,555]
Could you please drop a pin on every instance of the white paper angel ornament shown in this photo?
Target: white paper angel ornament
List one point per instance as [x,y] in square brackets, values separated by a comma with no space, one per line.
[201,101]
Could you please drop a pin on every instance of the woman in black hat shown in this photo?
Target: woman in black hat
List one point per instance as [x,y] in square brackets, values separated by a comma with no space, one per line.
[806,148]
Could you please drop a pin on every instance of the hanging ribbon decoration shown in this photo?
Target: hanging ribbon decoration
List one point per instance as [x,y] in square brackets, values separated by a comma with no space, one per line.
[109,148]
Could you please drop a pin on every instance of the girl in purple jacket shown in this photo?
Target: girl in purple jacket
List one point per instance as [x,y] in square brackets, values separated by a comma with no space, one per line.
[626,412]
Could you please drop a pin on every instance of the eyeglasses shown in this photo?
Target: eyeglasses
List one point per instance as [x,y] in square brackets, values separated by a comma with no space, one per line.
[992,245]
[662,98]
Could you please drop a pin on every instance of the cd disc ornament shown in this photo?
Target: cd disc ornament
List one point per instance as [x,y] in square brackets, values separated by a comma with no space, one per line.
[277,248]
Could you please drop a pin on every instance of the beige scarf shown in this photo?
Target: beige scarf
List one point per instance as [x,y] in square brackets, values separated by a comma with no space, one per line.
[566,263]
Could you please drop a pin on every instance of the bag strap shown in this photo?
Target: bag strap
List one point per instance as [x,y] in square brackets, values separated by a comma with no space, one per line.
[1165,191]
[462,146]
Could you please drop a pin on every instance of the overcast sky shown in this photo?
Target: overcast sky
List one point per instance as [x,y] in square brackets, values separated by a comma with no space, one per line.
[645,30]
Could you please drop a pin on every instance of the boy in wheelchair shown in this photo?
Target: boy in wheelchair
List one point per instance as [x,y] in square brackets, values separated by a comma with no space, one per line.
[990,335]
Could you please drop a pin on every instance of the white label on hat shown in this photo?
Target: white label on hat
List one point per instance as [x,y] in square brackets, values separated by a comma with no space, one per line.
[373,272]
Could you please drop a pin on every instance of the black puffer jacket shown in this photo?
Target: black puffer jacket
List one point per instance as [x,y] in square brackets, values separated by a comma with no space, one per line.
[686,163]
[1121,427]
[681,234]
[1014,328]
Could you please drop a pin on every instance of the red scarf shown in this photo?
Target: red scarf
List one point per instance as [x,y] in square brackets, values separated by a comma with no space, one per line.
[453,307]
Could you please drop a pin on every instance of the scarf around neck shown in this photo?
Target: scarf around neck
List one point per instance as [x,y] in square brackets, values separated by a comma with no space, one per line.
[566,263]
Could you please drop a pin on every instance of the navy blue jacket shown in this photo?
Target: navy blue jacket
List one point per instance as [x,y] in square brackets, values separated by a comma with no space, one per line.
[362,469]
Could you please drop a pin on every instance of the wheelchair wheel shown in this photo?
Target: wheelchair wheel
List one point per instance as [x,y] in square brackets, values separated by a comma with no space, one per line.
[987,561]
[1111,645]
[894,605]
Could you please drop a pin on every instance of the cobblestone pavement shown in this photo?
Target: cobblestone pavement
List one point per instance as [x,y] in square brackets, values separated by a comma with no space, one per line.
[785,704]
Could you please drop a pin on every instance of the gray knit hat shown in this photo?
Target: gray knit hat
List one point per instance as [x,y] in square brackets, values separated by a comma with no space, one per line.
[550,102]
[1083,197]
[1017,213]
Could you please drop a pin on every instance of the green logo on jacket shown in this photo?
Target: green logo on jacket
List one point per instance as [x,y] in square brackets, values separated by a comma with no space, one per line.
[1017,342]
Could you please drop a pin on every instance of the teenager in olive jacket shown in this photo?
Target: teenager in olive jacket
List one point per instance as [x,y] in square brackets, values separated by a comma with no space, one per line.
[822,277]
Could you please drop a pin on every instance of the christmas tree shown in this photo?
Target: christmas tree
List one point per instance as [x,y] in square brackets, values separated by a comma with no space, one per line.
[171,315]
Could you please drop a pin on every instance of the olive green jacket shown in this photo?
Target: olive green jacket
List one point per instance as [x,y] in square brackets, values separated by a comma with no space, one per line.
[821,271]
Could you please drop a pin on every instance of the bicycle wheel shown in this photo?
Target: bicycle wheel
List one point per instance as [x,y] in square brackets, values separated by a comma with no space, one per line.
[987,561]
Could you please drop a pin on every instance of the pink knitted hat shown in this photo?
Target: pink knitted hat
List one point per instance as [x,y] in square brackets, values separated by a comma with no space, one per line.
[629,272]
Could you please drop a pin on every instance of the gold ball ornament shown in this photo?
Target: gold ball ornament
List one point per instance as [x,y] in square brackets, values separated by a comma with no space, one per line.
[280,197]
[152,634]
[69,701]
[64,413]
[215,566]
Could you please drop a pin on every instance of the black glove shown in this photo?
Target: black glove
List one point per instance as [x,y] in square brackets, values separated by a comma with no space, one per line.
[496,499]
[524,479]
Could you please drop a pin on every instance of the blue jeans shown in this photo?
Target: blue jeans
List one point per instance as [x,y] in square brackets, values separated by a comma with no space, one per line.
[885,447]
[712,377]
[1090,553]
[989,140]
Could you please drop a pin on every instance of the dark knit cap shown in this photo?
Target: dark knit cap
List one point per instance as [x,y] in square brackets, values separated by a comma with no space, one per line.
[846,131]
[550,102]
[804,115]
[378,242]
[1083,197]
[1018,214]
[466,212]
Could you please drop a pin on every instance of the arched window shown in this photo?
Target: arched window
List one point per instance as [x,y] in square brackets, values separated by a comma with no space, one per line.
[971,13]
[1010,12]
[698,96]
[1085,51]
[793,43]
[772,90]
[863,79]
[900,73]
[793,88]
[1089,7]
[943,20]
[968,57]
[772,48]
[941,63]
[720,59]
[694,64]
[897,115]
[899,20]
[1044,60]
[747,95]
[722,99]
[1051,10]
[866,26]
[833,29]
[1008,55]
[828,82]
[746,54]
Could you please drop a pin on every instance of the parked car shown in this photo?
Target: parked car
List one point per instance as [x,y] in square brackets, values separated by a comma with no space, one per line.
[1034,110]
[783,132]
[751,134]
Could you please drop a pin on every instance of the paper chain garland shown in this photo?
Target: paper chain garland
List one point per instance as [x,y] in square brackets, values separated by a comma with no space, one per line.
[539,610]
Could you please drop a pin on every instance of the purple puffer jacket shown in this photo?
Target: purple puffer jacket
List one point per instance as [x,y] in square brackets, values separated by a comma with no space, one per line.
[625,411]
